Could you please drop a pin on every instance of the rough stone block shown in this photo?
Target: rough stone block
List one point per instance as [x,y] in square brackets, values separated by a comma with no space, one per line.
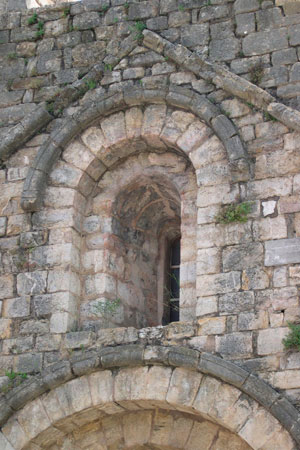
[224,49]
[17,307]
[270,341]
[30,363]
[192,35]
[218,284]
[211,326]
[235,345]
[31,283]
[255,278]
[236,302]
[253,321]
[242,6]
[242,256]
[263,42]
[6,286]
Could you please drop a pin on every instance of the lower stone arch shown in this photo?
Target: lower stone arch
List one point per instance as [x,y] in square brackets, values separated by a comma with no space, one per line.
[107,404]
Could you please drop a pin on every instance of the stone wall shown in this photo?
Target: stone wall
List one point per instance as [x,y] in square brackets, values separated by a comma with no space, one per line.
[96,98]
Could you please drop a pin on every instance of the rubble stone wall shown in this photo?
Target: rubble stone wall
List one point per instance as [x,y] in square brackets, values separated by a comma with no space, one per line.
[192,105]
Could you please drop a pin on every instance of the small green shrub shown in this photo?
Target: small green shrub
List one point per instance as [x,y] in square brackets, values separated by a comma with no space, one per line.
[33,19]
[293,338]
[234,213]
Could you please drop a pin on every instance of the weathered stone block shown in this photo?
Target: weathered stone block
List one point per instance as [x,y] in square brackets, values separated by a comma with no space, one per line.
[193,35]
[270,341]
[224,49]
[17,307]
[211,326]
[6,286]
[253,321]
[236,302]
[242,6]
[235,344]
[242,256]
[282,251]
[30,363]
[86,21]
[206,305]
[218,284]
[264,42]
[255,278]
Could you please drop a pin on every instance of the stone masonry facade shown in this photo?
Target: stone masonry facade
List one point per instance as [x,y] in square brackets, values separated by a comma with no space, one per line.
[124,125]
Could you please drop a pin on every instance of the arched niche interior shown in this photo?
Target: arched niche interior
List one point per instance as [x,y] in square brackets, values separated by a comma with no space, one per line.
[138,205]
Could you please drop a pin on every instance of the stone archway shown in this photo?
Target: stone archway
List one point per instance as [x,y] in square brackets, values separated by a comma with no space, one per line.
[153,140]
[126,405]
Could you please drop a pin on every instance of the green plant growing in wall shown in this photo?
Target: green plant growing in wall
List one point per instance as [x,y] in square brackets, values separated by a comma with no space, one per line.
[108,67]
[90,84]
[234,213]
[104,9]
[106,308]
[268,116]
[138,29]
[66,12]
[15,379]
[40,30]
[33,19]
[293,338]
[12,56]
[256,73]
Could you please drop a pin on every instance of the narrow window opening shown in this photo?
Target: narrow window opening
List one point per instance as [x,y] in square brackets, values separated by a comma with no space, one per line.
[173,282]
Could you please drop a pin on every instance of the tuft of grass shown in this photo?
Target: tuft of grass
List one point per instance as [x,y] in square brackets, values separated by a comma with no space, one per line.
[293,338]
[234,213]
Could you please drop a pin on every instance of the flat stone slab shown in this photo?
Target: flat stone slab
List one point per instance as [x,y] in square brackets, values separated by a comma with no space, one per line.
[282,251]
